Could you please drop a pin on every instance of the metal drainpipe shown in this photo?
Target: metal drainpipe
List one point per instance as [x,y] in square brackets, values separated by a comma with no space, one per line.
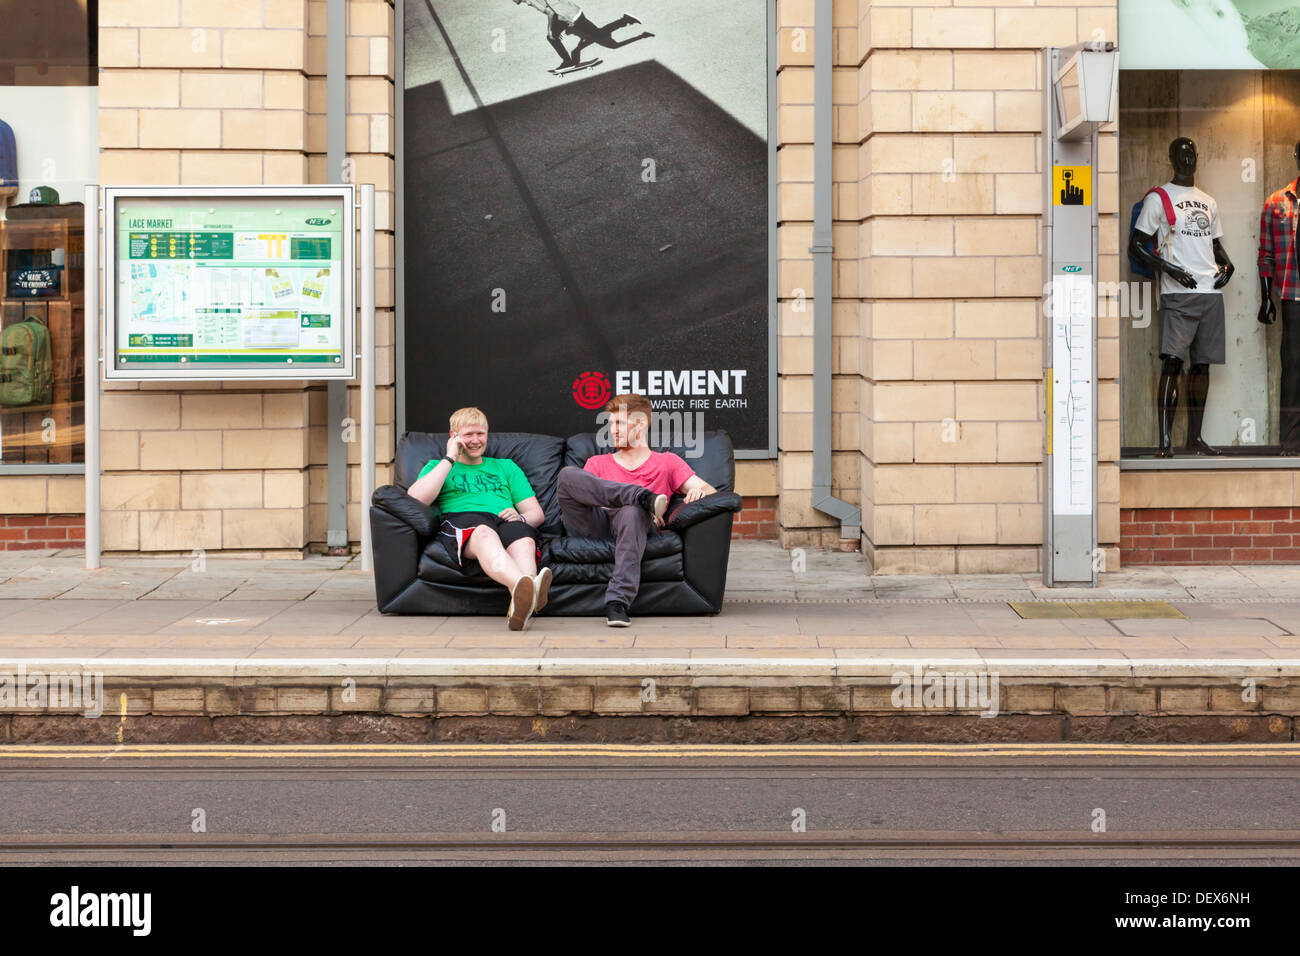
[850,517]
[336,402]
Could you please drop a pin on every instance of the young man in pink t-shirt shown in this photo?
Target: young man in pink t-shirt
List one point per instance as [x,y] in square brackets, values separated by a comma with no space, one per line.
[624,496]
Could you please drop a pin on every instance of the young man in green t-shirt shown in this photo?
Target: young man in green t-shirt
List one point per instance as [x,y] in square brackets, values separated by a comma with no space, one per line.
[489,514]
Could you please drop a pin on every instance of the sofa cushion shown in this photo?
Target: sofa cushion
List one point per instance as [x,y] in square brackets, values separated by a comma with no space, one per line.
[713,460]
[558,551]
[662,562]
[540,456]
[434,568]
[668,567]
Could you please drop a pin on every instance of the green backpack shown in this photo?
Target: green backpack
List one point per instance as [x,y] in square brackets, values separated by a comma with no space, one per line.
[26,367]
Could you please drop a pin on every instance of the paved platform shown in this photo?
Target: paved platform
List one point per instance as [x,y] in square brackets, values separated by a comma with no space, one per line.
[196,646]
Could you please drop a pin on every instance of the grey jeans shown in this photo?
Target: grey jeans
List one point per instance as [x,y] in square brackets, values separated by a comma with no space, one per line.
[597,508]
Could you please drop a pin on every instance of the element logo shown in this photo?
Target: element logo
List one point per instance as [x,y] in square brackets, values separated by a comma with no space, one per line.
[591,389]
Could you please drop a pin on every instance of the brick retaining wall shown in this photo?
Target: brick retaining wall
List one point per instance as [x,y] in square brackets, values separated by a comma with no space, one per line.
[757,519]
[1210,535]
[412,709]
[37,532]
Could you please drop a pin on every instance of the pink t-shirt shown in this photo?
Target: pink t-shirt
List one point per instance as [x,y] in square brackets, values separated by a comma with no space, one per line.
[663,472]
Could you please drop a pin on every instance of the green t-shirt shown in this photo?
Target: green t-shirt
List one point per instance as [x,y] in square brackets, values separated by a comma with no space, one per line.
[493,486]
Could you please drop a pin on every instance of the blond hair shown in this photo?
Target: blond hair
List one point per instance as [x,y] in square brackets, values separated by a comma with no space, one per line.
[467,416]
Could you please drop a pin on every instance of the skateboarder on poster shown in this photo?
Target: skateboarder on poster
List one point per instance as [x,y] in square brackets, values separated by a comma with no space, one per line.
[564,16]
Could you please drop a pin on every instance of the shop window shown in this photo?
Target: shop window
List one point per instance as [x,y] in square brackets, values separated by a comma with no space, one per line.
[48,153]
[1245,125]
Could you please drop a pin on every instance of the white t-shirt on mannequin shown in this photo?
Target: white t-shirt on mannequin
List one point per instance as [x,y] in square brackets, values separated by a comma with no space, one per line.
[1189,243]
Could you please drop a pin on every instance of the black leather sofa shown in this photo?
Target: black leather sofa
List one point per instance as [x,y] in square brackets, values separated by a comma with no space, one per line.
[684,570]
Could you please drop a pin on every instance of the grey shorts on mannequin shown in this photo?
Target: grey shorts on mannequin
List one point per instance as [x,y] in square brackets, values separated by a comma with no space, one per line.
[1192,328]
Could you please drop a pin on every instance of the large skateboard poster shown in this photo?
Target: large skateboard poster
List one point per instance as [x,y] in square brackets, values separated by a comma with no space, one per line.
[586,212]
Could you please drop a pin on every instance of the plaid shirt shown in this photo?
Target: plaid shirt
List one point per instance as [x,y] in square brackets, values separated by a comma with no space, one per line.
[1277,241]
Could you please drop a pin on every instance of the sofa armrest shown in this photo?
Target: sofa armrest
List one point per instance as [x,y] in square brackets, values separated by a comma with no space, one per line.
[720,502]
[396,502]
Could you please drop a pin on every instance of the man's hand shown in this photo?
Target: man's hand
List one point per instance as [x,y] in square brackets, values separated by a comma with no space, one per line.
[695,494]
[1267,311]
[1222,277]
[453,446]
[510,514]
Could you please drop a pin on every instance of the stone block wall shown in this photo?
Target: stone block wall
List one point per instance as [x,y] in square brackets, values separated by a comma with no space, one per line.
[232,92]
[938,323]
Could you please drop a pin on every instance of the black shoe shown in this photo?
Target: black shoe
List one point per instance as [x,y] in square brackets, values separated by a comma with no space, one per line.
[654,505]
[616,614]
[630,19]
[1290,452]
[1200,446]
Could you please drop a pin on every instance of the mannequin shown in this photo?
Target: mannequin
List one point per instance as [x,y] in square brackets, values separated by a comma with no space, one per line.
[1277,268]
[1194,268]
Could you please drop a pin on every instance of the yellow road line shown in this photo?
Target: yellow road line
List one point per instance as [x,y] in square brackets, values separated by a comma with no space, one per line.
[638,751]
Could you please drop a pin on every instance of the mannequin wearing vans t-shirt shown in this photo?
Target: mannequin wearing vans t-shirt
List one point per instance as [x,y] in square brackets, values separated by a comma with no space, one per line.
[1278,271]
[1193,267]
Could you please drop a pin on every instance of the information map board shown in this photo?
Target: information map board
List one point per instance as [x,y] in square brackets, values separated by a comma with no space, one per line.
[229,282]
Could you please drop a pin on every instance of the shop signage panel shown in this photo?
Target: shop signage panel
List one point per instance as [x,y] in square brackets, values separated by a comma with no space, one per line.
[1071,425]
[229,282]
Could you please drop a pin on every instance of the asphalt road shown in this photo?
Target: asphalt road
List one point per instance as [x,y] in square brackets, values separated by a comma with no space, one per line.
[1017,804]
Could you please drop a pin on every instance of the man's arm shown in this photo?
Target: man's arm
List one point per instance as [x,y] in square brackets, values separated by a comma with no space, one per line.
[528,510]
[526,507]
[426,489]
[696,488]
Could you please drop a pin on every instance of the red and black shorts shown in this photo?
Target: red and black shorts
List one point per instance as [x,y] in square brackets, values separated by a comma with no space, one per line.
[457,526]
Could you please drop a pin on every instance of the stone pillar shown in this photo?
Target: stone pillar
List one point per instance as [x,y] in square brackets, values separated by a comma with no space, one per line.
[371,147]
[799,523]
[199,92]
[950,225]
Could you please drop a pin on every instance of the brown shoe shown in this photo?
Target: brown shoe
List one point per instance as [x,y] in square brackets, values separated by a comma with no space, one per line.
[521,604]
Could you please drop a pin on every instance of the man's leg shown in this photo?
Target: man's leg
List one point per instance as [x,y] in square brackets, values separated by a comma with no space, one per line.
[484,546]
[524,553]
[584,499]
[584,488]
[1289,416]
[588,33]
[580,519]
[554,30]
[631,524]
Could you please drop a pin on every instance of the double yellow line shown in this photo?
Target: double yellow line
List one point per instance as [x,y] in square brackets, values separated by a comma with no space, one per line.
[754,752]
